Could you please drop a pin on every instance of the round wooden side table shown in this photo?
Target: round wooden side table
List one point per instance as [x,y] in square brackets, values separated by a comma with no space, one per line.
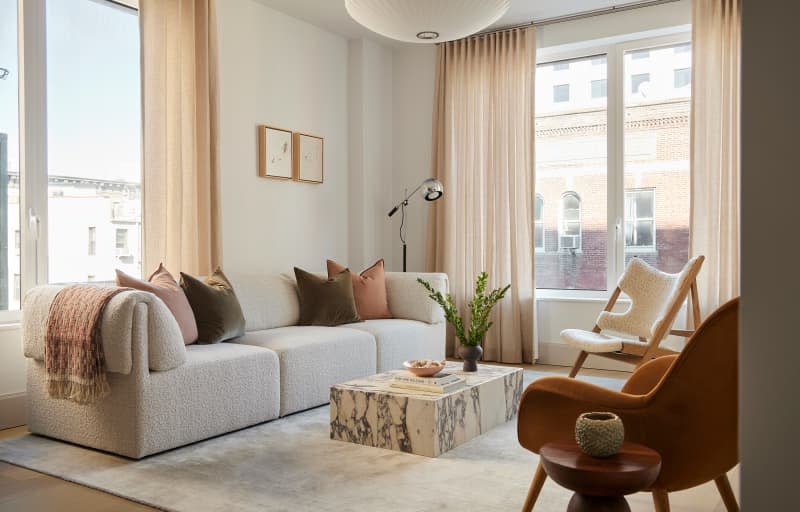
[600,484]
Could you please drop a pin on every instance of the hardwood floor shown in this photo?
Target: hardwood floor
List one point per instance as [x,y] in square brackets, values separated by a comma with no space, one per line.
[25,490]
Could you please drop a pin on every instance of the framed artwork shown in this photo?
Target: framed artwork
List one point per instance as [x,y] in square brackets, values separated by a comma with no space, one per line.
[308,153]
[274,152]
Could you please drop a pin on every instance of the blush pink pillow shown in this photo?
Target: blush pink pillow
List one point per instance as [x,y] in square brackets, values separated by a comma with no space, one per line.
[369,290]
[163,285]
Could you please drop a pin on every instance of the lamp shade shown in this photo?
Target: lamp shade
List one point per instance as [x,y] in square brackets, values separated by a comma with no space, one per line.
[432,189]
[426,21]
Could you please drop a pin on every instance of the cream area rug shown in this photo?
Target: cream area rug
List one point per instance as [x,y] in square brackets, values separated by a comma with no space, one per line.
[292,464]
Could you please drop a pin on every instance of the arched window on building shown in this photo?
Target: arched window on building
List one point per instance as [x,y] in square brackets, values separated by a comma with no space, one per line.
[538,223]
[569,226]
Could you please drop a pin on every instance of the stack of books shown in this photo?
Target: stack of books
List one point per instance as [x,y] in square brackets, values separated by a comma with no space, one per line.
[439,383]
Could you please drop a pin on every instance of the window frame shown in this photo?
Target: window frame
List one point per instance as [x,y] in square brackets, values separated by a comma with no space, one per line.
[614,52]
[33,179]
[642,249]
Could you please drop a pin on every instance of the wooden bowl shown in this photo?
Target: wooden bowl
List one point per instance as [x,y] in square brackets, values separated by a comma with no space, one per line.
[423,372]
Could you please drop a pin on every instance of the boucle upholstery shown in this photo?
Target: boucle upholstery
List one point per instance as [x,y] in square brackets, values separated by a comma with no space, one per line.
[267,300]
[409,300]
[312,359]
[220,388]
[399,340]
[592,341]
[651,292]
[165,350]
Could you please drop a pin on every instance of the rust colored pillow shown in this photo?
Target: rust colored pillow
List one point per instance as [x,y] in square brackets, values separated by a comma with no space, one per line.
[369,290]
[163,285]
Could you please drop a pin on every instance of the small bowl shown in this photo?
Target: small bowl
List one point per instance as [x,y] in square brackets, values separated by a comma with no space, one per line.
[599,434]
[423,372]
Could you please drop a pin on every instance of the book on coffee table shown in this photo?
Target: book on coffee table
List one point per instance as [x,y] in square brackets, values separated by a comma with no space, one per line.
[439,383]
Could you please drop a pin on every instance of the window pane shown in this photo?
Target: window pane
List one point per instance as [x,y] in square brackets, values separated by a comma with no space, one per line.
[93,140]
[571,157]
[657,159]
[637,81]
[599,88]
[682,77]
[539,235]
[9,158]
[561,93]
[538,208]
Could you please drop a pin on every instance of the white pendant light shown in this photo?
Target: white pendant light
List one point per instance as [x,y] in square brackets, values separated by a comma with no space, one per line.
[426,21]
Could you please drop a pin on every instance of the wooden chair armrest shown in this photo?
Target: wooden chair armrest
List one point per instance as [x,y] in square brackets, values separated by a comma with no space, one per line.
[647,376]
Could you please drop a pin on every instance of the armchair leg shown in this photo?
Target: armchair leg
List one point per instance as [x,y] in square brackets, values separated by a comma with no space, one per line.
[724,487]
[661,500]
[578,363]
[536,487]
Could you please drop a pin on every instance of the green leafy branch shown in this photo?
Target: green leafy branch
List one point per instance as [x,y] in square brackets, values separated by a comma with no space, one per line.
[479,309]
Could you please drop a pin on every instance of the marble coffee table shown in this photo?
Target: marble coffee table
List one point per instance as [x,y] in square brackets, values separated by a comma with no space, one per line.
[368,411]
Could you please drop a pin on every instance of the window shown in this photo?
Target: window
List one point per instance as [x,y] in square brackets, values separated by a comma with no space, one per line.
[571,163]
[569,228]
[640,224]
[638,80]
[682,48]
[599,88]
[682,77]
[92,241]
[92,78]
[561,66]
[122,242]
[640,54]
[538,222]
[603,169]
[561,93]
[9,158]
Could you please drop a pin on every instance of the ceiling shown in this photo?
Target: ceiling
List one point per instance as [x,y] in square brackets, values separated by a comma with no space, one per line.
[331,14]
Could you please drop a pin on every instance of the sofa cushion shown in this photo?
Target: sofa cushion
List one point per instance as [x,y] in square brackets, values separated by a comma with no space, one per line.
[323,301]
[216,308]
[267,300]
[313,358]
[163,285]
[369,290]
[399,340]
[409,300]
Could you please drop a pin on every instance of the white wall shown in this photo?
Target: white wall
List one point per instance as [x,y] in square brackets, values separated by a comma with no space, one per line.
[277,70]
[414,69]
[414,72]
[769,344]
[370,103]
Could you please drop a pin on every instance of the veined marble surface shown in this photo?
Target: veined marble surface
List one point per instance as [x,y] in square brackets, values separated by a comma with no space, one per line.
[368,411]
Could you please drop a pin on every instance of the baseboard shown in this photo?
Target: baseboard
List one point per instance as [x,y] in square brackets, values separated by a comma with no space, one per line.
[560,354]
[13,410]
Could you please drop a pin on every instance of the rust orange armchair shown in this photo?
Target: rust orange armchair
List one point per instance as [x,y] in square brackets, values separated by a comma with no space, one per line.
[684,406]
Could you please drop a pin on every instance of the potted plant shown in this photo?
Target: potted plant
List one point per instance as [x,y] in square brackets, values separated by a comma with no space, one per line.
[479,308]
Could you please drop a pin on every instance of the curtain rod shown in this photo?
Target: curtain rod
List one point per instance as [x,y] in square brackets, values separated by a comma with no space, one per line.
[577,16]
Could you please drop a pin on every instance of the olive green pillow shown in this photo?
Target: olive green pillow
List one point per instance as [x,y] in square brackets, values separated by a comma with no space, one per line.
[326,301]
[216,309]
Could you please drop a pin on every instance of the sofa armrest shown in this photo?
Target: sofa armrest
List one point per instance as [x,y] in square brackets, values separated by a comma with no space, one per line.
[409,300]
[163,343]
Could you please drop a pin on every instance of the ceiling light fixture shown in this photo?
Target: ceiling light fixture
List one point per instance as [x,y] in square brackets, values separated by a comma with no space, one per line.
[425,21]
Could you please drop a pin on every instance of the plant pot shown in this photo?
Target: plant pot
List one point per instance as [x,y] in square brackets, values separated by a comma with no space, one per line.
[599,434]
[470,354]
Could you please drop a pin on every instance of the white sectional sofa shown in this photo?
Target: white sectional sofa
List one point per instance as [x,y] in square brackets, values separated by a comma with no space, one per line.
[165,395]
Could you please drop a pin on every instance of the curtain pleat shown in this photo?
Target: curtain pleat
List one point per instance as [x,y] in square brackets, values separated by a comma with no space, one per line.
[715,205]
[483,155]
[179,139]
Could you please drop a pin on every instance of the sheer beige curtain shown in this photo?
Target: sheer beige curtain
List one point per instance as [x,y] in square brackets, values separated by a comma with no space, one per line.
[715,207]
[179,142]
[482,153]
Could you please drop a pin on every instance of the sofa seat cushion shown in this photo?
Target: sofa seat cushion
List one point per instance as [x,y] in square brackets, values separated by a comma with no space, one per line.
[312,359]
[400,340]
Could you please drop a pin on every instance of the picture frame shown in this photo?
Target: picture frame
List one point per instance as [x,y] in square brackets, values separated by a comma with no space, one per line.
[309,152]
[275,152]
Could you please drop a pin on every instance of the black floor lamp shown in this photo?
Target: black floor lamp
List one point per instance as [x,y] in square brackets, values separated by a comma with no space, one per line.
[431,190]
